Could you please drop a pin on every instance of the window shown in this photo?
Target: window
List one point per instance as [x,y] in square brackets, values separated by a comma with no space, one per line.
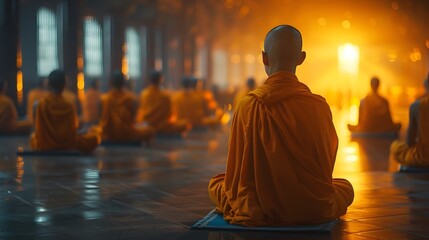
[47,52]
[132,53]
[93,51]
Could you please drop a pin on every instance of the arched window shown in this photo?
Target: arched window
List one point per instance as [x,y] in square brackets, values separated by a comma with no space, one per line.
[93,48]
[47,51]
[132,52]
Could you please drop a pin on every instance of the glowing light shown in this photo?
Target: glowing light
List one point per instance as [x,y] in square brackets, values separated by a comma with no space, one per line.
[19,86]
[351,158]
[244,10]
[249,58]
[349,150]
[372,22]
[392,55]
[260,60]
[427,43]
[80,83]
[322,21]
[19,169]
[226,117]
[354,112]
[235,59]
[415,55]
[346,24]
[395,6]
[348,58]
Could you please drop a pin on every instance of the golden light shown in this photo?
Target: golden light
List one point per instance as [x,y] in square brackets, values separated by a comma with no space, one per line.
[395,6]
[249,58]
[235,59]
[427,43]
[392,55]
[354,111]
[322,21]
[260,60]
[415,55]
[244,10]
[348,58]
[346,24]
[19,86]
[80,86]
[372,22]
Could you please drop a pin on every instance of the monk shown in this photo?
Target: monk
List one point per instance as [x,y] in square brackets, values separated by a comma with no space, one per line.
[35,95]
[56,122]
[374,113]
[119,112]
[155,108]
[415,151]
[194,106]
[91,105]
[282,148]
[9,123]
[250,85]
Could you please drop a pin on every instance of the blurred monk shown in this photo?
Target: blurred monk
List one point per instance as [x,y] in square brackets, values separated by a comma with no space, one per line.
[415,151]
[194,106]
[9,122]
[119,112]
[374,113]
[91,105]
[35,95]
[155,108]
[56,122]
[250,85]
[282,149]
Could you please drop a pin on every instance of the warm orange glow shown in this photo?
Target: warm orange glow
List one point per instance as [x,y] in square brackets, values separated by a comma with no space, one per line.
[392,55]
[348,58]
[80,62]
[354,112]
[229,4]
[244,10]
[125,65]
[249,58]
[260,60]
[322,21]
[235,59]
[19,169]
[19,59]
[395,6]
[427,43]
[415,55]
[346,24]
[226,117]
[80,86]
[19,86]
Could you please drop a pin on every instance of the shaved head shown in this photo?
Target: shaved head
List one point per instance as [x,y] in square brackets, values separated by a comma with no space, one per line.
[283,49]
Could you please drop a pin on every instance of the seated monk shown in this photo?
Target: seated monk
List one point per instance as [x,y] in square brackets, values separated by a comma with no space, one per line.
[191,105]
[56,121]
[250,85]
[155,108]
[35,95]
[119,112]
[415,151]
[282,149]
[374,113]
[9,123]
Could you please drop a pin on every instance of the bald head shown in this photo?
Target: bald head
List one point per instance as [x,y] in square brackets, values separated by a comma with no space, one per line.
[283,49]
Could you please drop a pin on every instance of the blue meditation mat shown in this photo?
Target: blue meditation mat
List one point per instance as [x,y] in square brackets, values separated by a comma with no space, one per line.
[413,169]
[107,143]
[48,153]
[215,220]
[390,135]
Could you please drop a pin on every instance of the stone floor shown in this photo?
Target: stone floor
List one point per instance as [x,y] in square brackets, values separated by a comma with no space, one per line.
[122,192]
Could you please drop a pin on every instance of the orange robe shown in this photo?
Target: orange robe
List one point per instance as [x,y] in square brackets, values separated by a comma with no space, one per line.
[193,106]
[282,151]
[56,127]
[117,118]
[418,154]
[374,116]
[9,118]
[239,96]
[155,109]
[91,106]
[34,96]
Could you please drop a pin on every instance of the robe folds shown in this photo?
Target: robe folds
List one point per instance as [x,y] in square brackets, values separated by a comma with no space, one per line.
[155,108]
[9,123]
[374,116]
[282,150]
[118,118]
[418,154]
[56,127]
[34,96]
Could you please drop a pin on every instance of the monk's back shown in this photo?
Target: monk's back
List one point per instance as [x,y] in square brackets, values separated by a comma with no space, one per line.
[8,115]
[423,137]
[375,113]
[190,106]
[155,106]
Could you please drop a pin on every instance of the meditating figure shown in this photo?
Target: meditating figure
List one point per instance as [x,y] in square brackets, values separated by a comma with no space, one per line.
[9,123]
[91,106]
[56,122]
[155,108]
[35,95]
[193,106]
[415,150]
[250,85]
[282,148]
[119,112]
[374,113]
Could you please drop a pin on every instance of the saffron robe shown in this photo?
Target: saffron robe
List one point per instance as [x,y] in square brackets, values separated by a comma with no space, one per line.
[374,116]
[9,118]
[416,153]
[34,96]
[56,127]
[117,118]
[282,150]
[155,108]
[91,106]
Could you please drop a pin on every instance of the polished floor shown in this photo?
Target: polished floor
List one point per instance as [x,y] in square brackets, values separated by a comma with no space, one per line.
[122,192]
